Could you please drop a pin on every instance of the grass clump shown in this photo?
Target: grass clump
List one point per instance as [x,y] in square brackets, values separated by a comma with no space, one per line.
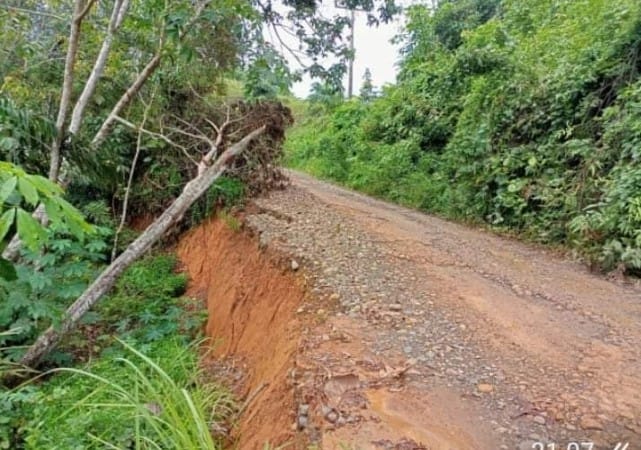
[136,400]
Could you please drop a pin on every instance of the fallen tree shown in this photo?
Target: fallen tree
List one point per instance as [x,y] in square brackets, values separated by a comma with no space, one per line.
[216,161]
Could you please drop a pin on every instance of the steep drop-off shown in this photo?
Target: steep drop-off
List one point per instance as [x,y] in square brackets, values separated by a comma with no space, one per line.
[252,301]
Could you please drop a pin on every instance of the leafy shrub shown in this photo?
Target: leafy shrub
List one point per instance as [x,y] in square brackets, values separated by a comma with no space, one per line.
[44,286]
[113,401]
[146,305]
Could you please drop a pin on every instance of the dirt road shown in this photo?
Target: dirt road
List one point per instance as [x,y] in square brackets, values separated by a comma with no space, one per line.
[424,334]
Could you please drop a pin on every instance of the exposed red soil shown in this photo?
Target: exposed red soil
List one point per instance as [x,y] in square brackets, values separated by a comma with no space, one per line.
[252,302]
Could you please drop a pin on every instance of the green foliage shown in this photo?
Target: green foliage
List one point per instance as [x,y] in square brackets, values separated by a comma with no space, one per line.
[367,92]
[13,422]
[146,305]
[33,299]
[326,95]
[19,190]
[129,400]
[37,298]
[225,192]
[267,77]
[114,399]
[24,136]
[523,115]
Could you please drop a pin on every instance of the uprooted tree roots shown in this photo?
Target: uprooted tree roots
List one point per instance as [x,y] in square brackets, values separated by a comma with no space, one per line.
[190,133]
[257,167]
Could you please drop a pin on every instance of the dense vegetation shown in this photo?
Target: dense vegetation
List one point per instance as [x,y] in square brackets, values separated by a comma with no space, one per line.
[118,118]
[519,114]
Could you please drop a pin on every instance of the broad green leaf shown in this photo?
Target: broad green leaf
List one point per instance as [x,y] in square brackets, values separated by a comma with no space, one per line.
[53,210]
[28,190]
[6,220]
[74,219]
[45,186]
[30,231]
[7,271]
[7,188]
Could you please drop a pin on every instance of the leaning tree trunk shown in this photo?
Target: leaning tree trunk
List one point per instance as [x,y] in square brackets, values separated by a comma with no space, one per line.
[47,341]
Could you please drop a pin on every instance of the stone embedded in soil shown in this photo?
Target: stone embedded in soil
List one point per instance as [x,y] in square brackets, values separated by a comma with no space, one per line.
[330,414]
[591,423]
[539,419]
[295,265]
[303,422]
[485,388]
[303,409]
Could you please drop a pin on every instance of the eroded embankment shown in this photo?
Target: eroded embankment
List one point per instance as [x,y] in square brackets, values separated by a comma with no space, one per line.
[252,300]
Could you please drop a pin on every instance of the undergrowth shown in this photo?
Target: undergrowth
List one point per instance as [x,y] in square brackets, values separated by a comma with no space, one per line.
[141,389]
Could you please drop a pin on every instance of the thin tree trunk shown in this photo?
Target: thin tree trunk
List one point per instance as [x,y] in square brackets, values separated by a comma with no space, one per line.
[81,8]
[117,16]
[48,340]
[130,179]
[126,98]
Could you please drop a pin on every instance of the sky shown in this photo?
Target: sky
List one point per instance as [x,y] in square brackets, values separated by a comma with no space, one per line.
[373,50]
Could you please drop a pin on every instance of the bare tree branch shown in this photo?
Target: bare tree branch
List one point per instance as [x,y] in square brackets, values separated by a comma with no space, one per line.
[85,11]
[126,98]
[157,136]
[287,47]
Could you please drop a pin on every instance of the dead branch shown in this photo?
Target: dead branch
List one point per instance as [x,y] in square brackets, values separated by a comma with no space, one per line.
[160,136]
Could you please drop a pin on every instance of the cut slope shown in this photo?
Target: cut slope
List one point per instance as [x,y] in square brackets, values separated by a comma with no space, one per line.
[252,301]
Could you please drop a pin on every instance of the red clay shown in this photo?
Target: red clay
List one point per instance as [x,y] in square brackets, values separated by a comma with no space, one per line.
[252,303]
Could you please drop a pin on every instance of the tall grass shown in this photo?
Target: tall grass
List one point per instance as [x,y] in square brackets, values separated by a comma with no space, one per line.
[157,410]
